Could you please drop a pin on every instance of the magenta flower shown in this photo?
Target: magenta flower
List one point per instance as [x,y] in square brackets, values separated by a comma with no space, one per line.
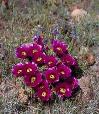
[59,47]
[33,80]
[44,94]
[35,48]
[64,71]
[68,60]
[63,90]
[74,83]
[38,39]
[17,69]
[51,75]
[29,68]
[43,84]
[76,65]
[39,58]
[47,74]
[51,61]
[23,51]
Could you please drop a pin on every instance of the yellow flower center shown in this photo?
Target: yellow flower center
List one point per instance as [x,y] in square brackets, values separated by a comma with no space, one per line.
[62,90]
[33,79]
[58,48]
[19,71]
[34,51]
[29,70]
[52,76]
[43,94]
[62,72]
[24,53]
[39,59]
[50,62]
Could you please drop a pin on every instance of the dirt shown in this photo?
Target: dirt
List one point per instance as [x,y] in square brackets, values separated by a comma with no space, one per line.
[89,82]
[95,67]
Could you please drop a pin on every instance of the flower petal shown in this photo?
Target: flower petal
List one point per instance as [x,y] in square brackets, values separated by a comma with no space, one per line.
[17,69]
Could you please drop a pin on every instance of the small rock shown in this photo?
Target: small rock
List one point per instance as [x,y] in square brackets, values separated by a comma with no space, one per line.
[21,91]
[85,83]
[90,58]
[22,97]
[83,50]
[79,14]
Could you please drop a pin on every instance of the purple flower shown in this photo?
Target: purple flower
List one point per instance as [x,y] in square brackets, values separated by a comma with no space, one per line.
[39,58]
[44,94]
[35,48]
[51,61]
[38,39]
[17,69]
[59,47]
[23,51]
[29,68]
[63,90]
[64,71]
[58,73]
[43,84]
[74,83]
[68,59]
[33,80]
[75,65]
[51,75]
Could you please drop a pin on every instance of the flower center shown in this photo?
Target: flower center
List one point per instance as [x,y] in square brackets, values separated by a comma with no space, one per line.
[62,90]
[50,62]
[52,76]
[59,49]
[43,94]
[39,59]
[62,72]
[33,79]
[67,61]
[29,70]
[34,51]
[19,71]
[24,53]
[41,87]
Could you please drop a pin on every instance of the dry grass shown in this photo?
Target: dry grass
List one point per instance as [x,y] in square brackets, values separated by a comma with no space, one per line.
[17,25]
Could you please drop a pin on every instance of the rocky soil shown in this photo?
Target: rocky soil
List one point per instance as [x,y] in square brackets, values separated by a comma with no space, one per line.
[87,98]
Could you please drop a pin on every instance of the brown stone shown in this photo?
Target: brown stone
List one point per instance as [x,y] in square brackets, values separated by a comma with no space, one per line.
[90,58]
[79,14]
[85,84]
[22,97]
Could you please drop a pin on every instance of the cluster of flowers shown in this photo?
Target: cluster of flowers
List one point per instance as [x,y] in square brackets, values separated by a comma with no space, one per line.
[57,76]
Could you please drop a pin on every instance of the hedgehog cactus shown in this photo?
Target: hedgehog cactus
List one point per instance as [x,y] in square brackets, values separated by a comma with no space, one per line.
[57,75]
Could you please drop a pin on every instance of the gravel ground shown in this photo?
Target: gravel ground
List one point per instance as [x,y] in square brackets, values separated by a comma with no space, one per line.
[86,101]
